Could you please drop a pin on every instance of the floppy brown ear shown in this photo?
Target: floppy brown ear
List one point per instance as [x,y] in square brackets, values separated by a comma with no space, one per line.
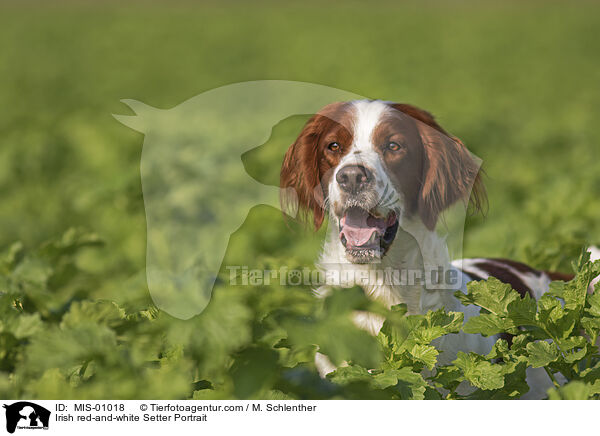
[450,173]
[300,171]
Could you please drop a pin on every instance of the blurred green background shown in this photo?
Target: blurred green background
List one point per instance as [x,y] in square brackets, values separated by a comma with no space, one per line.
[516,81]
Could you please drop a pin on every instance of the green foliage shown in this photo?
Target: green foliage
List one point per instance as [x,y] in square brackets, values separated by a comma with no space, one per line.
[557,333]
[56,343]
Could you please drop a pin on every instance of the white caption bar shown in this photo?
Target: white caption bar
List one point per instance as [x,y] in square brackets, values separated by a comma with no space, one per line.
[287,417]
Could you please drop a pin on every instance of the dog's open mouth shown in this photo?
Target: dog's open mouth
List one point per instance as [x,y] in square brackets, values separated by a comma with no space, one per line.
[366,234]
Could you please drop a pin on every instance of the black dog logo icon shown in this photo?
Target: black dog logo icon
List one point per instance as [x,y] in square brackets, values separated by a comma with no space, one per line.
[26,415]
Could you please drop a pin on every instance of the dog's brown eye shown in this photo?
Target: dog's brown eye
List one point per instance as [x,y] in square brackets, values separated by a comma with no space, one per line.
[334,146]
[394,146]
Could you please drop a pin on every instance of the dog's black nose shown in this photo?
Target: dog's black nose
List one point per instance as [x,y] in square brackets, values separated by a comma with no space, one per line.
[353,178]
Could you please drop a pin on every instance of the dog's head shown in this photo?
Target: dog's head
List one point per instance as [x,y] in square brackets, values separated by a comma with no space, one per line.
[371,165]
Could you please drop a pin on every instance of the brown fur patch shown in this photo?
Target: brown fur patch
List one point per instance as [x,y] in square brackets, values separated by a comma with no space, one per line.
[555,276]
[307,163]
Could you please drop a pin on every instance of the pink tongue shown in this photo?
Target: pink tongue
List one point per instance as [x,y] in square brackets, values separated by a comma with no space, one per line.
[358,227]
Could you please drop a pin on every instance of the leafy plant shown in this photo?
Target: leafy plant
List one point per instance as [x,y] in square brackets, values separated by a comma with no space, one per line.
[55,342]
[558,333]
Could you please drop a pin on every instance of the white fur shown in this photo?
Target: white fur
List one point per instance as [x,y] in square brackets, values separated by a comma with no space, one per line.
[366,116]
[594,255]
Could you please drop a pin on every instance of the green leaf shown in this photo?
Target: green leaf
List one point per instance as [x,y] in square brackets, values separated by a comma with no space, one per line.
[522,312]
[515,384]
[292,357]
[404,333]
[487,325]
[492,295]
[575,356]
[346,374]
[575,292]
[410,386]
[591,325]
[386,379]
[252,371]
[447,377]
[425,354]
[591,375]
[541,353]
[57,348]
[401,334]
[553,318]
[575,390]
[500,350]
[438,323]
[334,332]
[480,372]
[519,342]
[101,312]
[406,384]
[593,301]
[556,289]
[27,325]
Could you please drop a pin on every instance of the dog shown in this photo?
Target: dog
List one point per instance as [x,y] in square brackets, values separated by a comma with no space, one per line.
[384,173]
